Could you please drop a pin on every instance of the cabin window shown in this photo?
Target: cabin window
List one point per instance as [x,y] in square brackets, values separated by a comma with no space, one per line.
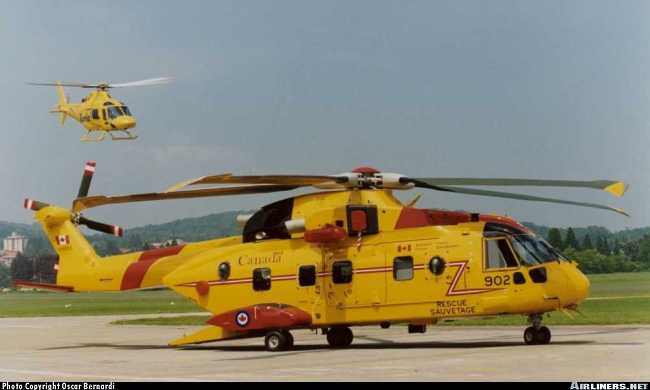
[104,114]
[498,254]
[224,270]
[342,272]
[307,275]
[95,114]
[261,279]
[538,275]
[403,268]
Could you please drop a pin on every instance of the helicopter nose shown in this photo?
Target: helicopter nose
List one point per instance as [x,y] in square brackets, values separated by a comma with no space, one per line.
[125,122]
[579,282]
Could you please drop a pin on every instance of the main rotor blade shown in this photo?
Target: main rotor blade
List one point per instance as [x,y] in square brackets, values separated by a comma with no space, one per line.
[616,188]
[143,83]
[138,83]
[287,180]
[96,201]
[67,84]
[508,195]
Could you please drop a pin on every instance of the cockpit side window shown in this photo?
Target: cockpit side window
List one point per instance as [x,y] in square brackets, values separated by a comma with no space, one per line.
[530,248]
[268,222]
[498,254]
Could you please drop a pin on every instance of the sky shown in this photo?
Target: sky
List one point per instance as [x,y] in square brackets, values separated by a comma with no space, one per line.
[549,90]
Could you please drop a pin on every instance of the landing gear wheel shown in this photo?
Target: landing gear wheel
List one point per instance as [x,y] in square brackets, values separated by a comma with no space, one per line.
[534,336]
[289,338]
[530,336]
[339,337]
[543,335]
[277,341]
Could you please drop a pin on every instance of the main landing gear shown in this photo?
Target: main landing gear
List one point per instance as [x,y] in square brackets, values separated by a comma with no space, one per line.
[339,337]
[536,334]
[278,340]
[282,340]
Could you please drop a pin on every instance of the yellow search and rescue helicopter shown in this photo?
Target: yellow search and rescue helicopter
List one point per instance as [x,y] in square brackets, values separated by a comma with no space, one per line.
[350,255]
[99,111]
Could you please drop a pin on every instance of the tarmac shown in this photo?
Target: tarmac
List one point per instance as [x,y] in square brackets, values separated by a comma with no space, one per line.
[91,349]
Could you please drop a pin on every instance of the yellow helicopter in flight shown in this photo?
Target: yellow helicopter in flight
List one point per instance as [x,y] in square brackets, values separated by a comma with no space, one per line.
[350,254]
[99,112]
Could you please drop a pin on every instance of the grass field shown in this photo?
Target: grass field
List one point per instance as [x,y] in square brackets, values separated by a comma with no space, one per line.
[622,298]
[34,304]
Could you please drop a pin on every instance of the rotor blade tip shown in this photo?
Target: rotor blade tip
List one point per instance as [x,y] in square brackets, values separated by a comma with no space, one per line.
[118,231]
[617,189]
[621,211]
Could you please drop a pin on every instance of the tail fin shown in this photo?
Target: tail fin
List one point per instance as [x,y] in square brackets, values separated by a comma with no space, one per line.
[77,258]
[79,267]
[63,102]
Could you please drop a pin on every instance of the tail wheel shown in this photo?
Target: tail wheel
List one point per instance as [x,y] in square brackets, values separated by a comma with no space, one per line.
[543,335]
[277,341]
[339,337]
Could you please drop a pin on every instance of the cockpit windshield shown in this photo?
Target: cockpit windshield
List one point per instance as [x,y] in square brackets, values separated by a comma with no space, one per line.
[115,111]
[533,250]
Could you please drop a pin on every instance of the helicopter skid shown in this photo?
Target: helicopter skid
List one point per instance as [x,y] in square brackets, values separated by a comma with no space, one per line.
[128,136]
[89,138]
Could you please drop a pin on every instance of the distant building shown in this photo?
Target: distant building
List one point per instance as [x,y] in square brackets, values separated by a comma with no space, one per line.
[12,246]
[7,257]
[15,243]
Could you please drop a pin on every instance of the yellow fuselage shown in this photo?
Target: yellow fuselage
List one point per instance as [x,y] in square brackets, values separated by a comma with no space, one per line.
[99,112]
[383,275]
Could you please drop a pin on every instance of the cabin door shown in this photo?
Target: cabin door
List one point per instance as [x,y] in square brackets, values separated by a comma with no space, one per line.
[356,277]
[408,276]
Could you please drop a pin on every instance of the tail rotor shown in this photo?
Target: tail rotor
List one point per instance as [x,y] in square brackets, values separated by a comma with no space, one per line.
[78,218]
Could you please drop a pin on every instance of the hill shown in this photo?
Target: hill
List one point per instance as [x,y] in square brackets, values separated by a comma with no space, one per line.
[224,224]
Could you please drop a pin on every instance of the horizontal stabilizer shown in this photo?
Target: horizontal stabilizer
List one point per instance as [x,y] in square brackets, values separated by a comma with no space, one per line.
[205,335]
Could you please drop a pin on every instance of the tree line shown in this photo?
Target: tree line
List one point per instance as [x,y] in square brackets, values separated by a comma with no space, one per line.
[602,254]
[36,269]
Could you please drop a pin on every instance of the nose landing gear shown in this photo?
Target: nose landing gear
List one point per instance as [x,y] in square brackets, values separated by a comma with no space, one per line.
[537,334]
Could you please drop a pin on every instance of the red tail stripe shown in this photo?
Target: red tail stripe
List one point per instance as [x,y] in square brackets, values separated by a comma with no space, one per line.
[137,270]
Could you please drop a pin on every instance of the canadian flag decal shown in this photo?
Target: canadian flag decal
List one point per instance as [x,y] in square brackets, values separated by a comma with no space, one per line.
[63,240]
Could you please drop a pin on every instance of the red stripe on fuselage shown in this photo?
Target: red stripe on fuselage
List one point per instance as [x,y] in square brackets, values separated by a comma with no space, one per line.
[135,272]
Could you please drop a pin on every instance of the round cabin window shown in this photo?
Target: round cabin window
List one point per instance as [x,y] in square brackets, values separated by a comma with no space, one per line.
[437,265]
[224,270]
